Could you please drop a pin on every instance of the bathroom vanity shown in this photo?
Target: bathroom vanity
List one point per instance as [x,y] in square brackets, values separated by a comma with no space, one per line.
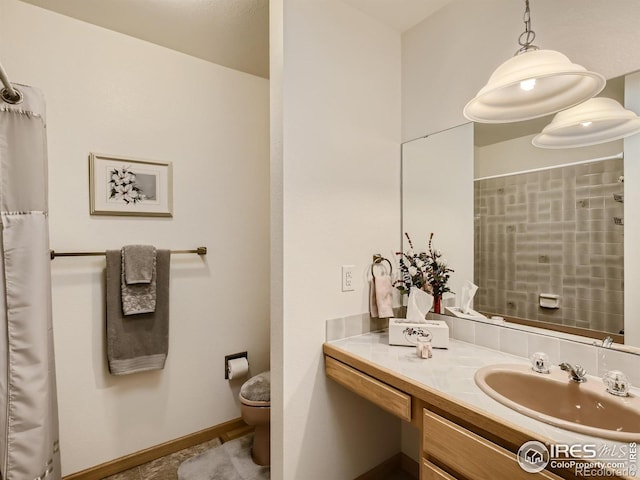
[464,433]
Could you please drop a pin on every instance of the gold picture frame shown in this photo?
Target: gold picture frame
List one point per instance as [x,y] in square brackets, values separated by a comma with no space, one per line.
[130,186]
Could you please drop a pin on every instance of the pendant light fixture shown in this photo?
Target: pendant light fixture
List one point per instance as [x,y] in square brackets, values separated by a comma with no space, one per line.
[595,121]
[532,84]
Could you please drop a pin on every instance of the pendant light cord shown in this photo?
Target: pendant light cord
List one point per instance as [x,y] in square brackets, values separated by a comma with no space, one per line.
[527,37]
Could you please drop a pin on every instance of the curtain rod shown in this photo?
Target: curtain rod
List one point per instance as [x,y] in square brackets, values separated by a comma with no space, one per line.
[54,254]
[8,93]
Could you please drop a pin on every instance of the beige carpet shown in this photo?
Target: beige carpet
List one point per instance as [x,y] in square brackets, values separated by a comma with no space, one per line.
[230,461]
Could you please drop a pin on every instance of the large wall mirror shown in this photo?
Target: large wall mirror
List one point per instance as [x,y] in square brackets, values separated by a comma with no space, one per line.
[541,232]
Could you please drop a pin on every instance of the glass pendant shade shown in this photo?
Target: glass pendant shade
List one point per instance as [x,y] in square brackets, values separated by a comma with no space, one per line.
[595,121]
[533,84]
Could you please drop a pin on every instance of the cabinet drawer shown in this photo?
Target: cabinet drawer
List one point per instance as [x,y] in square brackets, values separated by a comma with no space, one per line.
[468,454]
[386,397]
[429,471]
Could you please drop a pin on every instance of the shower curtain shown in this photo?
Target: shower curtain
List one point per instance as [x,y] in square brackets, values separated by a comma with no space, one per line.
[29,448]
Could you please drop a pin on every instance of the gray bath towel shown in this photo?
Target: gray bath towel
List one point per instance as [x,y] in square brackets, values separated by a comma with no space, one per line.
[140,342]
[138,276]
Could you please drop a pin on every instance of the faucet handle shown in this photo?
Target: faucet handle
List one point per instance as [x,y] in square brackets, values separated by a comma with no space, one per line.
[607,341]
[540,362]
[617,383]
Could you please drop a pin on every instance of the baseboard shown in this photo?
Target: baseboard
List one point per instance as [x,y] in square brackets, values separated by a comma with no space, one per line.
[143,456]
[399,461]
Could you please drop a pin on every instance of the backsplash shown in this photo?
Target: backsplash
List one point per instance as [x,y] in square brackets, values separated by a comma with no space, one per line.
[520,341]
[552,231]
[344,327]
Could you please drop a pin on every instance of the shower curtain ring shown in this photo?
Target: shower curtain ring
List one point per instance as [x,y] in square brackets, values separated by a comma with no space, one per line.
[10,98]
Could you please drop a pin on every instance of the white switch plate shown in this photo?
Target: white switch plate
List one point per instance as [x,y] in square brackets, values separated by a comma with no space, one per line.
[347,278]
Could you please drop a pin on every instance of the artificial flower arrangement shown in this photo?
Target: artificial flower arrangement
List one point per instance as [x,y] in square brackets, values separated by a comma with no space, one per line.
[427,271]
[123,186]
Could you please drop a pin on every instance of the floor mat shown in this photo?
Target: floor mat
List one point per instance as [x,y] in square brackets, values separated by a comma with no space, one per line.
[230,461]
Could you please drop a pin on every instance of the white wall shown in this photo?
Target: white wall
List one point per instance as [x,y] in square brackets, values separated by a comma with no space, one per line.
[110,93]
[436,198]
[449,56]
[340,169]
[276,54]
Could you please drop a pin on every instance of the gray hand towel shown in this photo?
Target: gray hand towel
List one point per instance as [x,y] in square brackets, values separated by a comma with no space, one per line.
[141,342]
[139,262]
[138,266]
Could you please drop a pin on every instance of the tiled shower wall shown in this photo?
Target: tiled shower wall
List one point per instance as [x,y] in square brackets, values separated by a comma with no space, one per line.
[552,231]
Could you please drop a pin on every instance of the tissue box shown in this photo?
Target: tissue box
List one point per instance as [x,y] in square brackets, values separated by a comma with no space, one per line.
[439,332]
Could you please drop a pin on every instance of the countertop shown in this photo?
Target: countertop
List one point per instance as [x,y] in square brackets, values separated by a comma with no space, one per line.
[451,372]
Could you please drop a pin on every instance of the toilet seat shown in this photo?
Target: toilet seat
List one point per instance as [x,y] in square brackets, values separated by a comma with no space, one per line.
[253,403]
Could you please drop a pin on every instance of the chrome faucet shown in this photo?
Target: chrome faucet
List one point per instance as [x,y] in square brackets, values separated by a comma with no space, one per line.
[577,373]
[607,342]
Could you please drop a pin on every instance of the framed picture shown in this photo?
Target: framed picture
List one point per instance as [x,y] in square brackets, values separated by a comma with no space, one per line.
[128,186]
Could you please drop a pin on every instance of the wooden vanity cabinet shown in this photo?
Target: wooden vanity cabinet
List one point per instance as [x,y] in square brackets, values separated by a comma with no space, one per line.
[385,396]
[465,454]
[429,471]
[456,444]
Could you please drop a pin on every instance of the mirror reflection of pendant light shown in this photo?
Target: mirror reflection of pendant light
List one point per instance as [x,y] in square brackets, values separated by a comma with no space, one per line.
[532,84]
[595,121]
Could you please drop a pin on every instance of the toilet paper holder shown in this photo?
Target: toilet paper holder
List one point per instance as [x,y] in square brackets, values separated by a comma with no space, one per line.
[231,357]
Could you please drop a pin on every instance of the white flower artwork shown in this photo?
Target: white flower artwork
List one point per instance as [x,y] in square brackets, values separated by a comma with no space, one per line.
[125,186]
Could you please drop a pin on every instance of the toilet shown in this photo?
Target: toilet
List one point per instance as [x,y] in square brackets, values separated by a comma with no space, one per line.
[255,406]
